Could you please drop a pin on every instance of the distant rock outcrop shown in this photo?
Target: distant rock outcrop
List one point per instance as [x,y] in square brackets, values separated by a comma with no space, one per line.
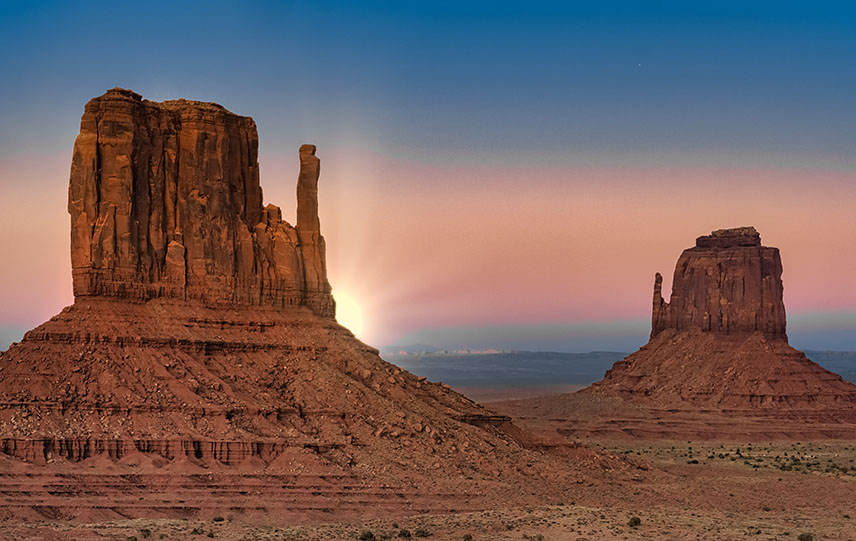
[728,283]
[165,201]
[721,340]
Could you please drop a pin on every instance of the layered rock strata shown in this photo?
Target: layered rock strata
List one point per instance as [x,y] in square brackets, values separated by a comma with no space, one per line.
[721,340]
[165,201]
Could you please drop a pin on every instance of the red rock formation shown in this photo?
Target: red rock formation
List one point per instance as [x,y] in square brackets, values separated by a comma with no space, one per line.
[201,341]
[721,341]
[728,283]
[165,201]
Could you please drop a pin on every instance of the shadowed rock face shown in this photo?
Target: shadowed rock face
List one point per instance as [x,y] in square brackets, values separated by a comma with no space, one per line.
[165,201]
[728,283]
[721,342]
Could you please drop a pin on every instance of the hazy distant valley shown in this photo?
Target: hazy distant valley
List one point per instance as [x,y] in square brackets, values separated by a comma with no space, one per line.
[494,374]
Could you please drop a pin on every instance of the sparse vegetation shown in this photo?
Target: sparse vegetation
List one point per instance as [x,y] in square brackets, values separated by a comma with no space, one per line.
[367,535]
[634,522]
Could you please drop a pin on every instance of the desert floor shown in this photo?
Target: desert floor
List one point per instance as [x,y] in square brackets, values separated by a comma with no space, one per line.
[706,491]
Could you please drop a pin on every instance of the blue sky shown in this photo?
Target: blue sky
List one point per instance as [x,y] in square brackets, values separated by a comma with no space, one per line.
[766,76]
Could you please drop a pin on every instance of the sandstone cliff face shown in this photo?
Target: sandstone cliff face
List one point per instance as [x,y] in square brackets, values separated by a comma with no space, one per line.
[165,201]
[728,283]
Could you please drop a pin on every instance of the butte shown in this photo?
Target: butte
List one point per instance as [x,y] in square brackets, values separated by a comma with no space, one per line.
[718,364]
[201,370]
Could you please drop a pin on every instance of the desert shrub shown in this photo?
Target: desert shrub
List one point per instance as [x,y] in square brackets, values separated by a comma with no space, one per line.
[366,536]
[634,522]
[421,532]
[196,531]
[468,537]
[145,533]
[219,519]
[405,534]
[805,537]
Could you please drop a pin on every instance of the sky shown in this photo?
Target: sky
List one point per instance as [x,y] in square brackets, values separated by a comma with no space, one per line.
[494,174]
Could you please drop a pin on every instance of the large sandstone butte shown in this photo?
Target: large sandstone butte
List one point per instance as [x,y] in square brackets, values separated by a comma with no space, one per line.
[200,369]
[165,202]
[720,341]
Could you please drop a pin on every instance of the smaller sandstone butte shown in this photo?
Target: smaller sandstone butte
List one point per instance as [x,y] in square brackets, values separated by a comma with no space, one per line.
[721,341]
[728,283]
[165,201]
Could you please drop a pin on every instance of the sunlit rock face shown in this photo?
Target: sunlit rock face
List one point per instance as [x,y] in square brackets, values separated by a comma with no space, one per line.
[165,201]
[727,283]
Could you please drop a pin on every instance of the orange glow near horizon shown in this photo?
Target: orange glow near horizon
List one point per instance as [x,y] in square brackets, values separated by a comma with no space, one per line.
[413,244]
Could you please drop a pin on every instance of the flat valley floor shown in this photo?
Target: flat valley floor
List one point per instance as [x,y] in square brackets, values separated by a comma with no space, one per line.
[707,490]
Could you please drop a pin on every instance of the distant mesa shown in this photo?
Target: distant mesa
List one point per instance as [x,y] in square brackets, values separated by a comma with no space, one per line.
[728,283]
[721,339]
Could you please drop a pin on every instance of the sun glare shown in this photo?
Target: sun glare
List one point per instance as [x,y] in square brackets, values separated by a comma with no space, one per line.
[348,313]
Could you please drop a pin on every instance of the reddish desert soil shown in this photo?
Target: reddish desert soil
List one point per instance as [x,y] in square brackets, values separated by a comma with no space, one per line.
[679,488]
[604,417]
[744,495]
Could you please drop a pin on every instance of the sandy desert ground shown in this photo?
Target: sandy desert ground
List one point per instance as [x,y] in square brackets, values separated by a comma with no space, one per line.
[691,490]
